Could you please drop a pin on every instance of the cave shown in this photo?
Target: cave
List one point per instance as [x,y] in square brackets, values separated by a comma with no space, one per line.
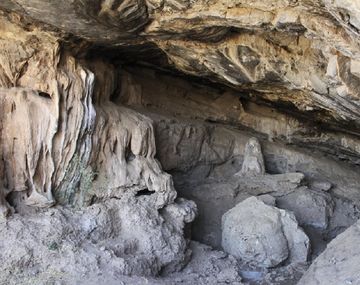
[179,142]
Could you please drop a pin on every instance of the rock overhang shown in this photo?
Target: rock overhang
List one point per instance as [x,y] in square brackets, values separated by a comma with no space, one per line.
[301,53]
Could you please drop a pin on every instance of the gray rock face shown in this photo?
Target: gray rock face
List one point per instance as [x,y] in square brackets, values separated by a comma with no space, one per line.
[311,208]
[67,152]
[304,53]
[74,131]
[184,141]
[120,236]
[339,263]
[263,235]
[207,266]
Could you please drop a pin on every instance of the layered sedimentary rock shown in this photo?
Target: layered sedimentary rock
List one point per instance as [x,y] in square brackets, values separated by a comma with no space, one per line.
[99,98]
[303,54]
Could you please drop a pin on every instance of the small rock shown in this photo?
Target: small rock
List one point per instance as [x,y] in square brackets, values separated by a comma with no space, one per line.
[321,185]
[268,199]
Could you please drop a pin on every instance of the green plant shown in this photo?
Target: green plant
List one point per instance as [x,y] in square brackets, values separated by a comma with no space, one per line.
[53,246]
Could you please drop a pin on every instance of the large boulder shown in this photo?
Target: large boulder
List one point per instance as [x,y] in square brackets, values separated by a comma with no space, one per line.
[263,235]
[311,208]
[339,263]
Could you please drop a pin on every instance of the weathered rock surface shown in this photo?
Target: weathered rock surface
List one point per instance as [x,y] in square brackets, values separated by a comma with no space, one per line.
[263,235]
[126,236]
[339,263]
[204,162]
[60,132]
[203,157]
[186,145]
[64,142]
[311,208]
[303,53]
[207,266]
[80,131]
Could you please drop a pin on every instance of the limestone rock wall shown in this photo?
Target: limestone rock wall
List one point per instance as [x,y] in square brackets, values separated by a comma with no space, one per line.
[64,143]
[202,131]
[202,136]
[304,54]
[84,124]
[224,106]
[59,132]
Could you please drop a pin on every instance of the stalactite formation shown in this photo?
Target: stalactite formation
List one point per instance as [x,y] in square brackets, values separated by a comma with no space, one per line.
[179,142]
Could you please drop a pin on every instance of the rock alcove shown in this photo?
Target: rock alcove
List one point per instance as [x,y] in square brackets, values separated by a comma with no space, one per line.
[179,142]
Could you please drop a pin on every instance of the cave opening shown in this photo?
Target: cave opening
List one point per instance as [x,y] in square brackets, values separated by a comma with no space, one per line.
[179,142]
[201,129]
[203,149]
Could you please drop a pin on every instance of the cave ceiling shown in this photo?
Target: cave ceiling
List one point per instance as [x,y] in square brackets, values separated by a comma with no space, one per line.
[301,56]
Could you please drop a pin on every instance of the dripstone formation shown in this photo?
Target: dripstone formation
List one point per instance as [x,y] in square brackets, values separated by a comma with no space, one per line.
[179,142]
